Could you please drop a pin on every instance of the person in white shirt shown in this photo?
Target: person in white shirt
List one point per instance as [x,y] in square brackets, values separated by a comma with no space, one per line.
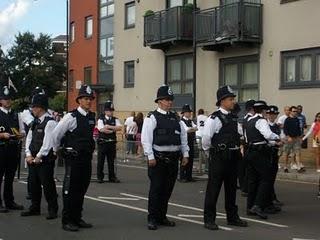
[40,158]
[130,130]
[108,126]
[164,141]
[201,119]
[191,128]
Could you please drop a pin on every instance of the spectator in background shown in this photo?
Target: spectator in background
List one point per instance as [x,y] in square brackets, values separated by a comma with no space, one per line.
[139,122]
[315,131]
[201,119]
[292,131]
[303,125]
[130,130]
[282,118]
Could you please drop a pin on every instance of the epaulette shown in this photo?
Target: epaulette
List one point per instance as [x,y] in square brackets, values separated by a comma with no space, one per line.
[214,115]
[149,114]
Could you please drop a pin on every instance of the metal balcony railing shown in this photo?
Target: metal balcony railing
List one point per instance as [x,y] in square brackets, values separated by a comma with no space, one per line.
[239,22]
[167,26]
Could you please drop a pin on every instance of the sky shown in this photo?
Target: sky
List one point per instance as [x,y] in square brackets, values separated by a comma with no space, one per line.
[36,16]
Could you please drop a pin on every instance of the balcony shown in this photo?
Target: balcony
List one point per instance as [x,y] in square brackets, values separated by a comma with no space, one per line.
[168,27]
[236,24]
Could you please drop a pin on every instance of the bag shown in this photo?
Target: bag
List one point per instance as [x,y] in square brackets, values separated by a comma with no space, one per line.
[304,144]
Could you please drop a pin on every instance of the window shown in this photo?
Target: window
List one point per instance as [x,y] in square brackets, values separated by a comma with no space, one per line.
[71,80]
[180,74]
[242,74]
[88,27]
[129,74]
[130,15]
[106,47]
[175,3]
[107,8]
[87,75]
[300,68]
[72,32]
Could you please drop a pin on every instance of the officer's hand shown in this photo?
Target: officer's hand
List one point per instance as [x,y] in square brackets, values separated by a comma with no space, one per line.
[5,135]
[37,160]
[29,159]
[152,163]
[184,161]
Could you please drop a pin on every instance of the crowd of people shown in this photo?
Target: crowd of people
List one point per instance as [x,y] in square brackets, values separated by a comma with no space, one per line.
[244,151]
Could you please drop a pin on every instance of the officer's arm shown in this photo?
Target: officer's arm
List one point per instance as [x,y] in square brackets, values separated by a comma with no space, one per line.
[47,140]
[264,128]
[117,127]
[148,127]
[184,141]
[211,126]
[101,127]
[68,123]
[28,142]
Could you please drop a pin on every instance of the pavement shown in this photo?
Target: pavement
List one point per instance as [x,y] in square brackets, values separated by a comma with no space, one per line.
[119,212]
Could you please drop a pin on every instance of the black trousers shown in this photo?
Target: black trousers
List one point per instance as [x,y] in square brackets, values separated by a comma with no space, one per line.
[106,150]
[162,179]
[42,175]
[222,169]
[242,171]
[259,177]
[186,171]
[9,158]
[75,185]
[274,172]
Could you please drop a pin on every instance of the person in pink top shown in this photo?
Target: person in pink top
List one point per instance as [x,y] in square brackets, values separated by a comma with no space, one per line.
[315,131]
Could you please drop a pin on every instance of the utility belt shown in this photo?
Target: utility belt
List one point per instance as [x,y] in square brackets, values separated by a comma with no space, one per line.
[167,157]
[222,147]
[259,147]
[46,159]
[69,152]
[10,142]
[105,140]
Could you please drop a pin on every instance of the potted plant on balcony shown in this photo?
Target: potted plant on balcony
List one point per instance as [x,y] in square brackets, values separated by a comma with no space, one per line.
[148,13]
[188,8]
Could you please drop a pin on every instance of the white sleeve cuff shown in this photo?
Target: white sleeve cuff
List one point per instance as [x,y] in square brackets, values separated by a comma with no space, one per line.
[151,157]
[186,154]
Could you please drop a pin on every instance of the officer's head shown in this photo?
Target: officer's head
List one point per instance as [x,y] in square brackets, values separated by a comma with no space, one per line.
[249,105]
[226,98]
[186,111]
[272,113]
[5,97]
[39,104]
[85,97]
[109,108]
[165,98]
[260,107]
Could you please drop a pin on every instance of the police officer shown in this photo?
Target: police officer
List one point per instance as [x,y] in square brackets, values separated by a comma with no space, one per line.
[221,138]
[40,158]
[258,134]
[78,146]
[164,140]
[108,125]
[191,128]
[272,114]
[11,131]
[243,176]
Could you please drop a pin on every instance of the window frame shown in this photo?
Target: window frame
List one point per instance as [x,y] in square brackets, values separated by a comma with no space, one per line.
[297,54]
[183,81]
[86,19]
[72,32]
[84,75]
[128,84]
[184,2]
[127,6]
[107,4]
[287,1]
[240,61]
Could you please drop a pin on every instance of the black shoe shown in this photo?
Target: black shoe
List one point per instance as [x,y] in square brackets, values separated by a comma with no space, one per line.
[152,225]
[14,206]
[167,222]
[70,227]
[211,226]
[238,222]
[286,170]
[3,209]
[114,180]
[51,216]
[256,210]
[191,180]
[83,224]
[276,202]
[272,209]
[29,213]
[100,181]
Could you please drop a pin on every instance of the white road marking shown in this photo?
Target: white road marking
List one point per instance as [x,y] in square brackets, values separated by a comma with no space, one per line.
[24,182]
[119,198]
[198,216]
[301,239]
[201,210]
[131,166]
[145,211]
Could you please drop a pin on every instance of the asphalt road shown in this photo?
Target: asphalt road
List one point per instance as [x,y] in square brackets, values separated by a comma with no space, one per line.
[118,212]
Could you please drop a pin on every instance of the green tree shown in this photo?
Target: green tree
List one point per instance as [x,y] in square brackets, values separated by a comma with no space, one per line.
[31,62]
[58,103]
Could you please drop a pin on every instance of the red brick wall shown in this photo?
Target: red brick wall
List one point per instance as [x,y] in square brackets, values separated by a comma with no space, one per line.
[83,52]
